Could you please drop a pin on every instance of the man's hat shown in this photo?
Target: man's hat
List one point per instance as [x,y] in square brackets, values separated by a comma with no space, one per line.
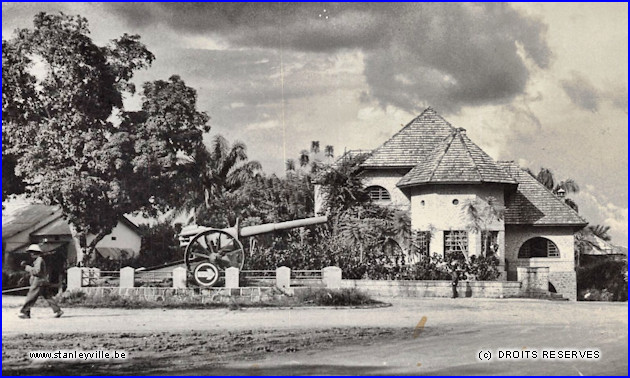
[35,248]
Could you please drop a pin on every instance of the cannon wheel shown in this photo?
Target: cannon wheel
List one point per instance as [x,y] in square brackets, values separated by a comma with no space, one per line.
[216,247]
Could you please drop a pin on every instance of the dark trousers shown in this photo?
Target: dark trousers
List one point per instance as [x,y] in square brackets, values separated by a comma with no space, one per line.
[40,288]
[454,286]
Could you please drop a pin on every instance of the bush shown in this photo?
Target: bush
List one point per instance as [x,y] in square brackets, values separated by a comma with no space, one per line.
[343,297]
[606,281]
[12,279]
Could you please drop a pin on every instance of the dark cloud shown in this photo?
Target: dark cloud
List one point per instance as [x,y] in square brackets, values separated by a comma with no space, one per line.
[581,92]
[444,54]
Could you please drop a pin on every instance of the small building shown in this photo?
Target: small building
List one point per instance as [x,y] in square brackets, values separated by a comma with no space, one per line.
[600,250]
[45,225]
[433,170]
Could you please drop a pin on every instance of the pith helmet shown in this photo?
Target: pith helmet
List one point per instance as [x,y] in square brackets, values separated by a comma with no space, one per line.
[35,248]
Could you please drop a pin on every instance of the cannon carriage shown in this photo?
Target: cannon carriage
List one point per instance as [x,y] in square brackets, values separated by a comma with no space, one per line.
[210,250]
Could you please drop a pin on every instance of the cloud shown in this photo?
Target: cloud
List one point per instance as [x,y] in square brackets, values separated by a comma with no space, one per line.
[581,92]
[444,54]
[598,210]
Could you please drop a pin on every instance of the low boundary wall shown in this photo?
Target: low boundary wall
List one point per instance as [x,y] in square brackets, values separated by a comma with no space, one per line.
[477,289]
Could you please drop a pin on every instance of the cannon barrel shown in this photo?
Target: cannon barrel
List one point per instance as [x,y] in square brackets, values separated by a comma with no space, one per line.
[190,231]
[266,228]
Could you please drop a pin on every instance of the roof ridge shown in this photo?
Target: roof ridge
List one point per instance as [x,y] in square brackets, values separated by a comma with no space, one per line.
[467,148]
[448,146]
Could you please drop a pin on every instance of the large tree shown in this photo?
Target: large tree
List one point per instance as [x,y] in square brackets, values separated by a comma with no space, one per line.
[64,124]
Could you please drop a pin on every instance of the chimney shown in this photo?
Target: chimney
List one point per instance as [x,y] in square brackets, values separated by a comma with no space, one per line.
[560,193]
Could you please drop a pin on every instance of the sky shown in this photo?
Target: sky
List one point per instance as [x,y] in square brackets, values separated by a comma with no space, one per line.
[545,85]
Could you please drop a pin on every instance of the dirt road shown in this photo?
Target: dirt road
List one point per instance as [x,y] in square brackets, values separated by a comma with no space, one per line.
[327,341]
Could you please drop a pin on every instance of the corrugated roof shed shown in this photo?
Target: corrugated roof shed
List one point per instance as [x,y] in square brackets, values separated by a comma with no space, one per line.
[534,204]
[412,143]
[25,217]
[456,159]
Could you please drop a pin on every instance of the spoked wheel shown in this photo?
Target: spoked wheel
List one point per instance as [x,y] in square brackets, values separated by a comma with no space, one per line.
[211,251]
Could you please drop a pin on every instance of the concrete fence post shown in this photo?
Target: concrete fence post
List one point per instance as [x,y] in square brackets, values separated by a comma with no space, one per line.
[179,278]
[283,277]
[331,277]
[74,278]
[232,278]
[127,277]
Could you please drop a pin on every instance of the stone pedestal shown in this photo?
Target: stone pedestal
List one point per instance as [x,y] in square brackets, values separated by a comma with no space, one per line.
[283,277]
[533,280]
[74,278]
[127,277]
[331,275]
[231,278]
[179,278]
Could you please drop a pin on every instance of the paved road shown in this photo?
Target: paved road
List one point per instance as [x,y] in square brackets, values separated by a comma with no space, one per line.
[464,327]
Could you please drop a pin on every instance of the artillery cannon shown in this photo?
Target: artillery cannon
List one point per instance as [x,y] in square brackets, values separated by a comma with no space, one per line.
[209,250]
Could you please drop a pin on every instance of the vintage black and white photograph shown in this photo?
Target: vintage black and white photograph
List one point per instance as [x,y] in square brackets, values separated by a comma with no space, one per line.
[314,188]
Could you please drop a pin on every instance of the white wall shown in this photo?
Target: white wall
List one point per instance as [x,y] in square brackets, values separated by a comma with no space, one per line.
[388,178]
[432,209]
[562,237]
[122,236]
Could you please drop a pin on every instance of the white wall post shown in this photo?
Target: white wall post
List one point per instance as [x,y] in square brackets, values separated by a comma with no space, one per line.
[331,276]
[127,277]
[231,278]
[283,277]
[74,278]
[179,278]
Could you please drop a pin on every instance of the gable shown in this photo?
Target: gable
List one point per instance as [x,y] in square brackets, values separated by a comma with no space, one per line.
[412,143]
[534,204]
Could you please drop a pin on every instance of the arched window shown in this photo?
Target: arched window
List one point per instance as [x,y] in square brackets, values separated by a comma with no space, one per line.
[378,193]
[538,247]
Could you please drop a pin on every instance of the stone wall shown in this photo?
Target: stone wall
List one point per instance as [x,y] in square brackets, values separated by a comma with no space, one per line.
[565,283]
[477,289]
[209,295]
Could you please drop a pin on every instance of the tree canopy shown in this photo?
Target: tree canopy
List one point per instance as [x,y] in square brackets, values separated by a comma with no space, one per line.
[66,130]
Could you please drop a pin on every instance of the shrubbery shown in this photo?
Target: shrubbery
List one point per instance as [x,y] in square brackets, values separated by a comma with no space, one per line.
[603,281]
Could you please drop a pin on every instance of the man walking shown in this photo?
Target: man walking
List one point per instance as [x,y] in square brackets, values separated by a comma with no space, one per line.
[40,284]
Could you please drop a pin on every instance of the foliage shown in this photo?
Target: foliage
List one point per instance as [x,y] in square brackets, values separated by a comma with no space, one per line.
[214,196]
[546,177]
[607,279]
[73,142]
[12,279]
[318,297]
[327,297]
[342,188]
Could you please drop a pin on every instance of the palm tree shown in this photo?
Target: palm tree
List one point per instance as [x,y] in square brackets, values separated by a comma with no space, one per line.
[329,151]
[600,231]
[315,146]
[290,165]
[545,177]
[304,158]
[222,168]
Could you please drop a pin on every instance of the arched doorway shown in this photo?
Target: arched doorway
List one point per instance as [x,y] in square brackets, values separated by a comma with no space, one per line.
[538,247]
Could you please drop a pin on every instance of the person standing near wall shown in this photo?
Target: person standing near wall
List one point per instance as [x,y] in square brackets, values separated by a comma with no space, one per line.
[454,279]
[40,284]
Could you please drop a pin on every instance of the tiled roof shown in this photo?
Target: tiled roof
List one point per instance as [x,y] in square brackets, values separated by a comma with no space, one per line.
[412,143]
[456,159]
[534,204]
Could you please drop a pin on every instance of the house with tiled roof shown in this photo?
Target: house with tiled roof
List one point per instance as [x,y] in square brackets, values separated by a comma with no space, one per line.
[433,170]
[32,223]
